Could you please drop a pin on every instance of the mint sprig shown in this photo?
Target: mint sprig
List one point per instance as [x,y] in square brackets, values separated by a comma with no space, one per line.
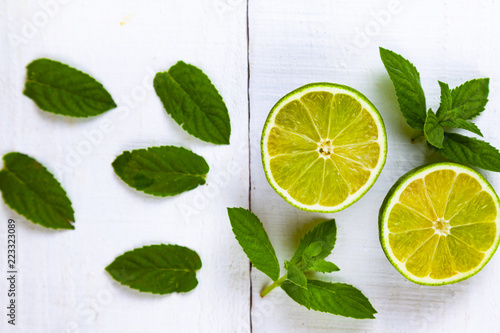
[335,298]
[456,109]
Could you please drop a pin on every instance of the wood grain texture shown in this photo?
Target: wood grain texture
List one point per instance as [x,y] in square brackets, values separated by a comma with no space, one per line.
[293,43]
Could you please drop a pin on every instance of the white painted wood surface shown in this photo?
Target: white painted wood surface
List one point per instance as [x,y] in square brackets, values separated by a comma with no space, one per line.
[62,283]
[293,43]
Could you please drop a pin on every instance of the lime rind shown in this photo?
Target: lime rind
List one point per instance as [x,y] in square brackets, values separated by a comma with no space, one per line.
[392,198]
[381,140]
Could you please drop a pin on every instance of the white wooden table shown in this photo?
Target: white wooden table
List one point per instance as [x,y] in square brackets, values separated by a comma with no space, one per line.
[254,53]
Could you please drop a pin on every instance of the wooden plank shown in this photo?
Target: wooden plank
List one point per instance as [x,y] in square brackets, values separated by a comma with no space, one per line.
[62,284]
[293,43]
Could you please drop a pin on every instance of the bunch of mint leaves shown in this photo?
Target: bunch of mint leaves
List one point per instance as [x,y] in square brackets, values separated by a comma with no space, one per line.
[458,106]
[335,298]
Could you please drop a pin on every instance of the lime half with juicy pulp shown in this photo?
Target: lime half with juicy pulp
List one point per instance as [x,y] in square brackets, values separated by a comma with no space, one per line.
[439,224]
[323,147]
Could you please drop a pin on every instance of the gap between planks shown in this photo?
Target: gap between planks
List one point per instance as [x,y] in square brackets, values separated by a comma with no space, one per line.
[249,161]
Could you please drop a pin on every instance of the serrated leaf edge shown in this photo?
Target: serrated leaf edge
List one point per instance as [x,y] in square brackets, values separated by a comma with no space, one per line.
[158,246]
[111,105]
[71,226]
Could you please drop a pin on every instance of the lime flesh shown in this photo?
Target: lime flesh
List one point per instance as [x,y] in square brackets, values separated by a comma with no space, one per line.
[323,146]
[439,224]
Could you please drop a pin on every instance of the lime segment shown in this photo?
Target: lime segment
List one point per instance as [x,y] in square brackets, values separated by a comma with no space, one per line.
[295,118]
[319,105]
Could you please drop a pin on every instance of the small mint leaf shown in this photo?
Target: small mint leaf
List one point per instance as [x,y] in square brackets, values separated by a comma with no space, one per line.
[406,81]
[161,171]
[325,232]
[446,101]
[335,298]
[470,151]
[158,269]
[323,266]
[253,239]
[313,250]
[295,276]
[58,88]
[192,100]
[472,95]
[463,124]
[453,118]
[433,131]
[32,191]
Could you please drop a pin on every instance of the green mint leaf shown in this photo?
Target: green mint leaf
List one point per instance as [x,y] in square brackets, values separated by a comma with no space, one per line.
[472,95]
[470,151]
[323,266]
[313,250]
[194,103]
[295,275]
[453,118]
[161,171]
[463,124]
[433,131]
[406,81]
[158,269]
[454,114]
[32,191]
[250,233]
[58,88]
[335,298]
[446,100]
[325,232]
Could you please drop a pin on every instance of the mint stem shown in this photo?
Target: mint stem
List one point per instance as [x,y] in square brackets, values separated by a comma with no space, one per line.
[275,284]
[417,136]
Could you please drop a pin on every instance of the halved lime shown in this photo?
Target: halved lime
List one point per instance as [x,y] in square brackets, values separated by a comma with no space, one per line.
[323,146]
[439,224]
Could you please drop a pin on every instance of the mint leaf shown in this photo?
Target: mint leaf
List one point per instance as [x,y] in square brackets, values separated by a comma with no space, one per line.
[194,103]
[295,275]
[472,95]
[325,232]
[58,88]
[455,117]
[32,191]
[161,171]
[433,131]
[250,233]
[313,250]
[158,269]
[446,100]
[311,262]
[335,298]
[323,266]
[406,81]
[463,124]
[470,151]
